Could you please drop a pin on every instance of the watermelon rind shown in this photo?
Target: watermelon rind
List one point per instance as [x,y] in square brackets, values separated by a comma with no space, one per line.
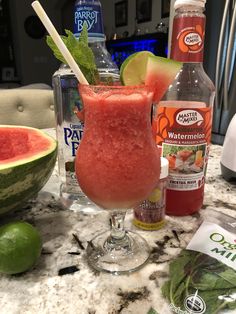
[23,179]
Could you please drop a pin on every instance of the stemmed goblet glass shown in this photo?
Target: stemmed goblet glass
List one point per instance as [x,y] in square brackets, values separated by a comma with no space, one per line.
[117,166]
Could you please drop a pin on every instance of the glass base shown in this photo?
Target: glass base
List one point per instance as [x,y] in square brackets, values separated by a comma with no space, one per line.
[105,254]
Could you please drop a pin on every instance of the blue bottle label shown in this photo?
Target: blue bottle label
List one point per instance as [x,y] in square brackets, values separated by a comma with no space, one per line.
[92,16]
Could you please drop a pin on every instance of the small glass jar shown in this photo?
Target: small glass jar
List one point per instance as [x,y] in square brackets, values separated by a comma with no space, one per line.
[150,214]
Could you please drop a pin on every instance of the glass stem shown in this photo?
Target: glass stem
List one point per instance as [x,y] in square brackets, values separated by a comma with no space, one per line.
[118,239]
[117,225]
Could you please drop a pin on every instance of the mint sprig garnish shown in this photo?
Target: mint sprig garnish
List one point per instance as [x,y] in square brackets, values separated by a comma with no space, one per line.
[80,51]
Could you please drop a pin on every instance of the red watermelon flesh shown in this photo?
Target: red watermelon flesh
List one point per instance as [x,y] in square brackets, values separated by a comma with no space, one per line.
[20,143]
[160,74]
[27,159]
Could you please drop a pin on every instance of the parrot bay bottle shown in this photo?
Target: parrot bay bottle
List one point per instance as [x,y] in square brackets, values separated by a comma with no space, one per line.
[184,116]
[70,124]
[89,12]
[69,108]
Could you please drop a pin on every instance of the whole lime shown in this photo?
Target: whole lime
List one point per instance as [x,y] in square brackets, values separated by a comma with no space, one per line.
[20,247]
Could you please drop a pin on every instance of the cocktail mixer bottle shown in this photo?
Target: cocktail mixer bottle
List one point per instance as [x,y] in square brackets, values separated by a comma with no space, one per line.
[184,116]
[69,108]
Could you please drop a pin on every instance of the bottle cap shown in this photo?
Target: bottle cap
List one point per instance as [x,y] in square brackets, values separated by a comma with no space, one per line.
[164,168]
[198,3]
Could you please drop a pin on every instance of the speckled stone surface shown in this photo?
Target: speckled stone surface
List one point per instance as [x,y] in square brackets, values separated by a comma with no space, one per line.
[43,291]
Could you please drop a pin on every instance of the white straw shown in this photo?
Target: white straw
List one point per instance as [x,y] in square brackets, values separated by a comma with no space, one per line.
[58,41]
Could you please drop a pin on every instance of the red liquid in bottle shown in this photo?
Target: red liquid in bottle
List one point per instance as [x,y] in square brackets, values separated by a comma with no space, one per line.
[184,116]
[190,201]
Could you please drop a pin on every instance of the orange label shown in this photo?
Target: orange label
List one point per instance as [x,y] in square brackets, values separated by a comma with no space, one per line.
[184,134]
[183,126]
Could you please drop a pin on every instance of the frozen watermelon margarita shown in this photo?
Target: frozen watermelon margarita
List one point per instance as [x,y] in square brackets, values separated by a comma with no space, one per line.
[117,166]
[117,163]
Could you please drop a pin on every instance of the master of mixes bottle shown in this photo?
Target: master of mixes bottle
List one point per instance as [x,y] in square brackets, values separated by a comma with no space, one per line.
[184,116]
[69,109]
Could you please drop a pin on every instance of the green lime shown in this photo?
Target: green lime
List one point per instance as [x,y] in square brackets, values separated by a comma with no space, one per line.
[20,247]
[133,69]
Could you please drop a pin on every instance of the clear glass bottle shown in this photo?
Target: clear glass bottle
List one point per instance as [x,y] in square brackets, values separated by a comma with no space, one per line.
[69,108]
[184,116]
[69,131]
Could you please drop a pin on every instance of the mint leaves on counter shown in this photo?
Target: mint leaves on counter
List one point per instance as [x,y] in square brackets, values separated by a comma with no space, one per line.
[152,311]
[213,281]
[80,51]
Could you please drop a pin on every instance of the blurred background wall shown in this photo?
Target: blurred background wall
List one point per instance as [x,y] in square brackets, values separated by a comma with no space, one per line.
[25,57]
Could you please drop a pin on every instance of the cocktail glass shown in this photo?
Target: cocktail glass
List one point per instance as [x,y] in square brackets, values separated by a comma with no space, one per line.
[117,166]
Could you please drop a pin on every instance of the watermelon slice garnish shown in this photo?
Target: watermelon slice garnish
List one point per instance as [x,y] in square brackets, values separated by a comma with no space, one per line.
[160,73]
[145,68]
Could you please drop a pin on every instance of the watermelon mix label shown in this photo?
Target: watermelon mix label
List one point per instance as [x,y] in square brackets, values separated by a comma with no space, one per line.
[184,136]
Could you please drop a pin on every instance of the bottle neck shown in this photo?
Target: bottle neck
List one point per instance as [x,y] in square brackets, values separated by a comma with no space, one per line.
[188,33]
[90,13]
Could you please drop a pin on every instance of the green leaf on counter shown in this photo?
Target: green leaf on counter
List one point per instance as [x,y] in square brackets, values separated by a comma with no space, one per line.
[80,51]
[193,272]
[152,311]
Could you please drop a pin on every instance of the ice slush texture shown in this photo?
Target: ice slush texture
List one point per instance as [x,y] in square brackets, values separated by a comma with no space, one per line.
[117,162]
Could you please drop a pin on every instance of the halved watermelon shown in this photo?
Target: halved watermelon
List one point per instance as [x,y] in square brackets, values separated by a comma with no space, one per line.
[27,159]
[160,73]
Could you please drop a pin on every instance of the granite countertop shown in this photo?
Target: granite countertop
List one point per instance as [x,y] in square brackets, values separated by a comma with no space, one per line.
[42,290]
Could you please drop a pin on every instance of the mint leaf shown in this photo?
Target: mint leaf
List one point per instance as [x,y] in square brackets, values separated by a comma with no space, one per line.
[152,311]
[55,50]
[80,51]
[193,272]
[84,35]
